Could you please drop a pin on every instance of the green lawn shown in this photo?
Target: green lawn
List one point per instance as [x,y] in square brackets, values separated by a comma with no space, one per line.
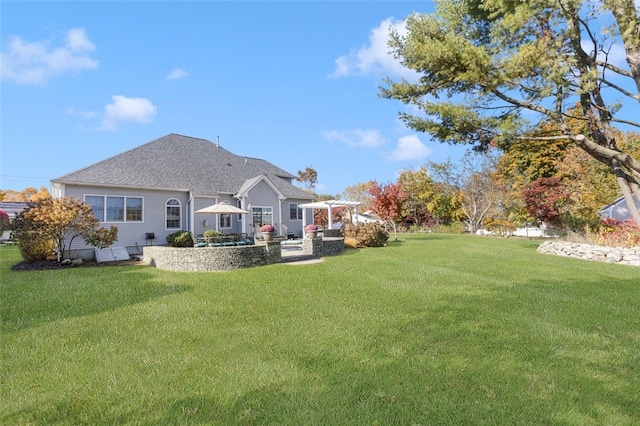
[434,329]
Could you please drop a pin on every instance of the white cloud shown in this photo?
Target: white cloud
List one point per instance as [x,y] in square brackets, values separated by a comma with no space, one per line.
[36,62]
[176,74]
[139,110]
[356,138]
[410,148]
[87,115]
[375,58]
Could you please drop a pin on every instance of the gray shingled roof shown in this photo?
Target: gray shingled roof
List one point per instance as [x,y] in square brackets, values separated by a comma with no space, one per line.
[182,163]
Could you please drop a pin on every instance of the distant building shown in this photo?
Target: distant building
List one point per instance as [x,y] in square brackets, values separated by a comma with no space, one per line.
[13,208]
[618,209]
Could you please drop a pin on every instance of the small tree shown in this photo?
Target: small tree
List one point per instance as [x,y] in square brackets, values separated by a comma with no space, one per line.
[387,203]
[58,219]
[545,199]
[309,178]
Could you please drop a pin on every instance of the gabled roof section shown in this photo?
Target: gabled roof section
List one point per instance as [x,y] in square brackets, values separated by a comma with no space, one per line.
[251,183]
[182,163]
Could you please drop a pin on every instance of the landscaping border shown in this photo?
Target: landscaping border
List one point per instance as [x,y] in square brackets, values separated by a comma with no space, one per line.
[618,255]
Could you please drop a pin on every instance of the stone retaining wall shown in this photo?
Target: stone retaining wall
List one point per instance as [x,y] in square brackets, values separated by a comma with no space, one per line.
[622,256]
[323,246]
[187,259]
[332,246]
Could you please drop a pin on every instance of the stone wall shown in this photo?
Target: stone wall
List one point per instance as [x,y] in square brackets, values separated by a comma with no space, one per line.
[187,259]
[622,256]
[322,246]
[332,246]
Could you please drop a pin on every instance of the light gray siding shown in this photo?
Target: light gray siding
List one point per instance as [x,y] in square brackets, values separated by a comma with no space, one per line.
[294,226]
[133,234]
[213,220]
[262,195]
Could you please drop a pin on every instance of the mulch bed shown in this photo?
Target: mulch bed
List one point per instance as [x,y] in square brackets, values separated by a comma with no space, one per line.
[43,265]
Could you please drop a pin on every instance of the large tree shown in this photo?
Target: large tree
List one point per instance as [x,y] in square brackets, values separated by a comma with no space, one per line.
[490,70]
[419,188]
[474,182]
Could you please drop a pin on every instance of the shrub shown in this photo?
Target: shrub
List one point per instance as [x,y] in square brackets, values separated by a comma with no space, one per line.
[180,239]
[210,233]
[34,246]
[615,233]
[365,235]
[311,228]
[5,223]
[500,226]
[102,237]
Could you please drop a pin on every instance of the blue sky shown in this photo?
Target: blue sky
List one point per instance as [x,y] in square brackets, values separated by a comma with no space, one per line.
[295,83]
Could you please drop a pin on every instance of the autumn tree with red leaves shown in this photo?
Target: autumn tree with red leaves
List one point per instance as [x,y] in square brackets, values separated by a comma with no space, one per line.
[387,203]
[545,199]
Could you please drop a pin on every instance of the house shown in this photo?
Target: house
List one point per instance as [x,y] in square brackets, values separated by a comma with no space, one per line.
[12,209]
[155,189]
[618,209]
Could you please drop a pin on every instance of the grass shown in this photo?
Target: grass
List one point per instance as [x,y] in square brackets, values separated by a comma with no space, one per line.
[433,329]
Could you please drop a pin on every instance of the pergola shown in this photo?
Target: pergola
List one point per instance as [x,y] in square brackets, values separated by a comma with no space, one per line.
[329,204]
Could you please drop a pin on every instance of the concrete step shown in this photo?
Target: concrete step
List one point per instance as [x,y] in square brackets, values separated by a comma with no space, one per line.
[298,258]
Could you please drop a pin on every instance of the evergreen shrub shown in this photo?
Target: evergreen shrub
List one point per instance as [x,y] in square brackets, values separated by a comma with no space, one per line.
[180,239]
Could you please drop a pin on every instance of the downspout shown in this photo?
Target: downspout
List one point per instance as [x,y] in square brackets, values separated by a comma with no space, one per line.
[192,214]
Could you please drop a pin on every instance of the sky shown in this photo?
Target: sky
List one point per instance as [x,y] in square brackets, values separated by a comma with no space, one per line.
[294,83]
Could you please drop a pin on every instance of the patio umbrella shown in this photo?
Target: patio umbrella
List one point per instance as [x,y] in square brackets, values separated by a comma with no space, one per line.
[222,208]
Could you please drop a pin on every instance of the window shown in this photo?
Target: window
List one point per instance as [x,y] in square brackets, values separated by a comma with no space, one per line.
[173,214]
[115,209]
[97,205]
[134,209]
[109,208]
[239,205]
[262,216]
[295,212]
[225,221]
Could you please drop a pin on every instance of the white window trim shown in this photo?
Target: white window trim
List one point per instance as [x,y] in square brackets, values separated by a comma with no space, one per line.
[230,221]
[165,215]
[263,207]
[298,210]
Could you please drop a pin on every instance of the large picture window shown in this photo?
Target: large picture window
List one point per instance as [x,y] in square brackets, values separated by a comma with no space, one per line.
[173,214]
[111,208]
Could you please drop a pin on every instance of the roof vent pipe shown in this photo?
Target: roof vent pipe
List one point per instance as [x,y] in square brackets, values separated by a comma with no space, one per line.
[218,141]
